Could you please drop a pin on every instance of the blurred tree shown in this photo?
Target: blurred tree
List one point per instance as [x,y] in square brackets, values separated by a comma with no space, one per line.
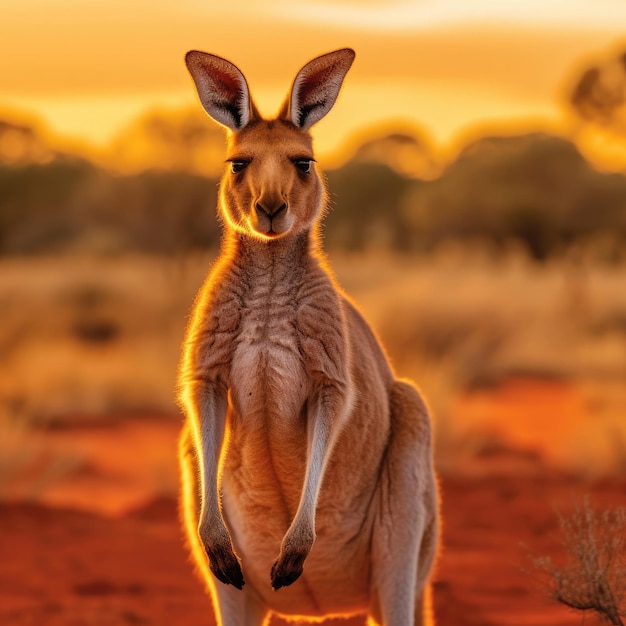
[599,95]
[401,151]
[176,140]
[70,204]
[366,201]
[157,211]
[598,99]
[536,189]
[21,145]
[37,212]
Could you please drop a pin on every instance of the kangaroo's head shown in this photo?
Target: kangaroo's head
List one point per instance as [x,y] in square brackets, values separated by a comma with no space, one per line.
[271,187]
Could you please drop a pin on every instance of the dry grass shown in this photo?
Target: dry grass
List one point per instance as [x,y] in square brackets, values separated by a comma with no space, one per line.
[85,337]
[494,318]
[464,320]
[29,465]
[92,337]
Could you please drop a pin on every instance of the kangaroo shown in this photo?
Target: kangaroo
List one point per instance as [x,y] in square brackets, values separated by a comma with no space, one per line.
[306,465]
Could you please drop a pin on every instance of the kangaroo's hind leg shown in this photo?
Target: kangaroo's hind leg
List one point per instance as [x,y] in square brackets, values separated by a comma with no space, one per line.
[240,607]
[404,543]
[231,606]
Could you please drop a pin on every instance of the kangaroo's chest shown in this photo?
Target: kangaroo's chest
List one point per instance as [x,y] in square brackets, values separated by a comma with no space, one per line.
[267,375]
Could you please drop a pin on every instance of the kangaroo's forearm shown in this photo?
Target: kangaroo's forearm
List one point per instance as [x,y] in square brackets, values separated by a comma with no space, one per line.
[326,420]
[331,405]
[206,405]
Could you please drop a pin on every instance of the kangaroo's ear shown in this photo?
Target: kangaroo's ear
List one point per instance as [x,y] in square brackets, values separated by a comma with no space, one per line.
[316,88]
[222,89]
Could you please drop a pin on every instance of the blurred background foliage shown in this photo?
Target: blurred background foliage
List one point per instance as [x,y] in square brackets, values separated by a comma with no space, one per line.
[533,189]
[504,262]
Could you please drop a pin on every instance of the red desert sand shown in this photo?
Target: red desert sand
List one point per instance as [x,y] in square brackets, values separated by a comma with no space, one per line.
[103,546]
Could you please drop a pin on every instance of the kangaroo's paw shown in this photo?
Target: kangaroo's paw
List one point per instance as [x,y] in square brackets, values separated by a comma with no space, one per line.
[287,568]
[225,565]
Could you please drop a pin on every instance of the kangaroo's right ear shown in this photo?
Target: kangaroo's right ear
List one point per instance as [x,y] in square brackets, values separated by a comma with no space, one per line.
[222,89]
[316,88]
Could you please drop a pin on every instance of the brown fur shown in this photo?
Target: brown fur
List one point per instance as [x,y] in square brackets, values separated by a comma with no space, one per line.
[306,465]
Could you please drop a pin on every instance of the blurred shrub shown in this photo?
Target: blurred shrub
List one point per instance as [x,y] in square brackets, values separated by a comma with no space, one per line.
[366,201]
[599,95]
[22,145]
[535,189]
[70,204]
[172,140]
[37,209]
[156,211]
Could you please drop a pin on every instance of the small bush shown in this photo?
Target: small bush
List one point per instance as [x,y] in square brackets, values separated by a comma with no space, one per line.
[593,575]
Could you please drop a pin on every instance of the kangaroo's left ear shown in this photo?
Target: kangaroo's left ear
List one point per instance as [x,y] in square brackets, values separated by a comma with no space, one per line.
[222,89]
[316,88]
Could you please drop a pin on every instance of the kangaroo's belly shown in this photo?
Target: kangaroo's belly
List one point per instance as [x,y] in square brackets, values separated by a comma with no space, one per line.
[262,484]
[259,504]
[263,477]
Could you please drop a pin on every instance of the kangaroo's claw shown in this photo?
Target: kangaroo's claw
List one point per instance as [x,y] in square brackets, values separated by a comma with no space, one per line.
[287,569]
[225,566]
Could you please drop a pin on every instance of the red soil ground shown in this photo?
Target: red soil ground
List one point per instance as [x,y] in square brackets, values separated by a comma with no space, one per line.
[102,547]
[69,568]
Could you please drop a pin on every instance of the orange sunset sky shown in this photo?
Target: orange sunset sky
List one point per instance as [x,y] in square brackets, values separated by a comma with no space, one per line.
[452,68]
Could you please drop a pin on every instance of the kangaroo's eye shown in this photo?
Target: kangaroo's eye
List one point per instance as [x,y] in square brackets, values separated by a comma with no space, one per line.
[304,165]
[238,166]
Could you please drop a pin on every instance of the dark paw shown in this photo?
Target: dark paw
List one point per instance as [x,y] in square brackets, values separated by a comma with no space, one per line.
[287,569]
[225,566]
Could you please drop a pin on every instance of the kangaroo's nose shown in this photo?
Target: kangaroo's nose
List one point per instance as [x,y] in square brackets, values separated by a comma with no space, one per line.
[270,211]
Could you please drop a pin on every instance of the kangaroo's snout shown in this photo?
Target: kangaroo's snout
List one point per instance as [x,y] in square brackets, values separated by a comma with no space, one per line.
[271,216]
[270,209]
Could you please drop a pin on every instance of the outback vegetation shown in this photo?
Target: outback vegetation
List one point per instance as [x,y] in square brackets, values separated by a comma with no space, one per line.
[537,190]
[496,280]
[591,578]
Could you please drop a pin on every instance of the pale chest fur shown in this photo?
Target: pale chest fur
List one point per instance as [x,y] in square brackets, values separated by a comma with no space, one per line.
[271,338]
[267,377]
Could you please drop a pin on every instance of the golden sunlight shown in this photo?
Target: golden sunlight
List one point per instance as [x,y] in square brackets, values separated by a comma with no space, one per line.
[471,200]
[444,65]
